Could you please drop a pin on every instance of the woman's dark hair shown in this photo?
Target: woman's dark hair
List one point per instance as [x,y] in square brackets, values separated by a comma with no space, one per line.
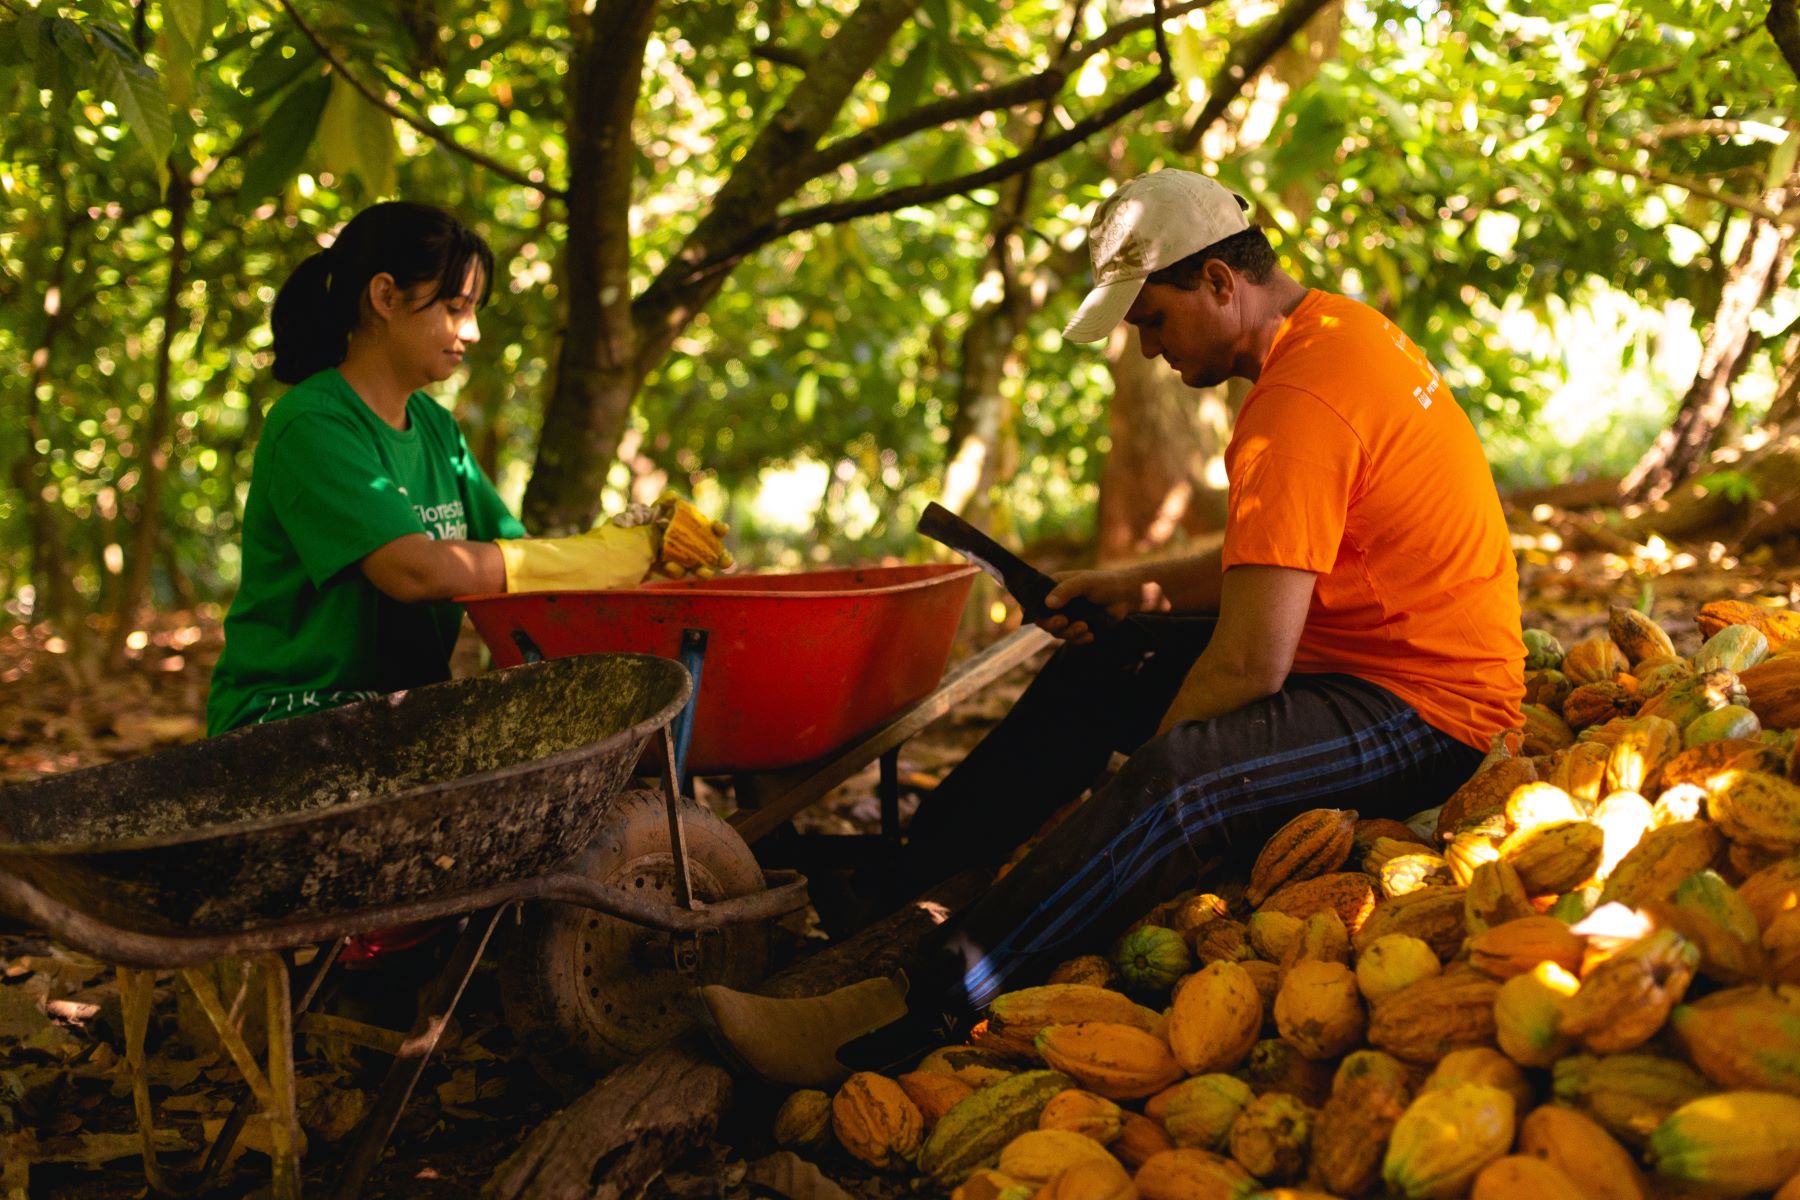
[1247,252]
[321,303]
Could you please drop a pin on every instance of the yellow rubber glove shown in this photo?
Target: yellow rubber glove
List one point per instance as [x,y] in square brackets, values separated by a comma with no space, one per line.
[671,537]
[607,556]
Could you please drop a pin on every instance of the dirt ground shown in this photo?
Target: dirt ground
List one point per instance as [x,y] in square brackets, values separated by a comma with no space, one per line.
[66,1120]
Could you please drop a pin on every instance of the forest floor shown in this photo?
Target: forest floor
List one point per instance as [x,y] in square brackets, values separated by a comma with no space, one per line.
[66,1123]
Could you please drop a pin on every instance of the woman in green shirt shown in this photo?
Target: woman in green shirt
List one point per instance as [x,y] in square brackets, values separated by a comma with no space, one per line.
[367,513]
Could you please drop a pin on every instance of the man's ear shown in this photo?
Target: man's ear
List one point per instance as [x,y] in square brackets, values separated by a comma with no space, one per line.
[1220,278]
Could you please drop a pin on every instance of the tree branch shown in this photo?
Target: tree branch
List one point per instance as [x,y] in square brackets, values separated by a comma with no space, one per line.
[330,55]
[1783,24]
[1247,58]
[1014,92]
[783,55]
[928,193]
[1761,131]
[1699,187]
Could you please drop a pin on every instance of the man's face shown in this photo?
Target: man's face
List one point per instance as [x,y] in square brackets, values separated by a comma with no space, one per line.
[1197,332]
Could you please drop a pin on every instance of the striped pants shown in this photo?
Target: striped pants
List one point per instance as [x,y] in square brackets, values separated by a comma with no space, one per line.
[1205,793]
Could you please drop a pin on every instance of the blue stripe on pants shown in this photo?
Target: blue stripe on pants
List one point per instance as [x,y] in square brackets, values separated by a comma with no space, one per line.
[1194,811]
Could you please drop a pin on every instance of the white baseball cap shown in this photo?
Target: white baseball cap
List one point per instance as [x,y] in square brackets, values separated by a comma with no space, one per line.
[1154,221]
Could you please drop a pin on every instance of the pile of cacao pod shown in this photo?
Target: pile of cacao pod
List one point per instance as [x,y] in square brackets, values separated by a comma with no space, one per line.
[1580,977]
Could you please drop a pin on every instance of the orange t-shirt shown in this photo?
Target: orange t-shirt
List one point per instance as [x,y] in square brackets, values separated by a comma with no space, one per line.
[1351,460]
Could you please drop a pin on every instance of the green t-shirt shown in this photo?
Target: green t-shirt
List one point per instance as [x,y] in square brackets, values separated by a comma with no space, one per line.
[332,482]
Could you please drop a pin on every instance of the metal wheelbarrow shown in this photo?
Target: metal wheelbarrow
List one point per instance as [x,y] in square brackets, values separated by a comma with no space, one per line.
[462,798]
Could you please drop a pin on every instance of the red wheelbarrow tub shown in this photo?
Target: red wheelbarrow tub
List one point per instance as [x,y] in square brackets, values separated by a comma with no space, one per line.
[796,664]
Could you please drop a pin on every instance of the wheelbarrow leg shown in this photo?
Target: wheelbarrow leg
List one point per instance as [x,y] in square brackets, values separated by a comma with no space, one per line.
[135,990]
[216,1157]
[274,1089]
[435,1007]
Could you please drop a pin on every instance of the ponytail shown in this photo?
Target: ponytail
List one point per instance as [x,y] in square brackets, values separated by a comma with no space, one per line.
[311,333]
[321,304]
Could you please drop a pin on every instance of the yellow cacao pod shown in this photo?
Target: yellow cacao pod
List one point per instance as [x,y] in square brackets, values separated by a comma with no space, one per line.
[1556,857]
[1637,758]
[1467,851]
[1655,867]
[804,1120]
[1495,896]
[1772,890]
[1480,1064]
[1094,970]
[1040,1155]
[1582,771]
[1318,1010]
[1737,1142]
[1542,803]
[1323,938]
[1270,1137]
[1434,915]
[1273,933]
[971,1135]
[1624,818]
[1200,1111]
[1528,1014]
[1392,962]
[1445,1138]
[1627,1094]
[1750,806]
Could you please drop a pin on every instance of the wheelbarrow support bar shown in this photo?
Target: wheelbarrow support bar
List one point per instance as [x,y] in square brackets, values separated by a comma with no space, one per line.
[786,893]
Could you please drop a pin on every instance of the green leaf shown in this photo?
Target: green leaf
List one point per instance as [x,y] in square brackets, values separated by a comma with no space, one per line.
[357,139]
[806,398]
[278,62]
[909,82]
[132,87]
[184,30]
[286,137]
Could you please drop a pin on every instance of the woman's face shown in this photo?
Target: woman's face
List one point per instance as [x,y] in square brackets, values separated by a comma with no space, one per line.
[427,337]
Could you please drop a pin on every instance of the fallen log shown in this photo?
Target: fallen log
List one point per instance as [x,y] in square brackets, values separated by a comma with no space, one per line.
[642,1117]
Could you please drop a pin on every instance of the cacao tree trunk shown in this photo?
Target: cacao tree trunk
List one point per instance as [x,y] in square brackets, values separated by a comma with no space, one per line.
[596,364]
[153,462]
[1680,449]
[1164,476]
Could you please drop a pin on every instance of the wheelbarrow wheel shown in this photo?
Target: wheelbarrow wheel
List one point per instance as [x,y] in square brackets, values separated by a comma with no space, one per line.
[585,991]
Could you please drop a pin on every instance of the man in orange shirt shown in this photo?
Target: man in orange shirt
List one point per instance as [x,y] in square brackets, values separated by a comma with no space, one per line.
[1354,643]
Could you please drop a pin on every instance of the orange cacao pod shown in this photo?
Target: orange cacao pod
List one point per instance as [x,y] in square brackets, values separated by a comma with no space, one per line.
[1513,1175]
[1581,771]
[1577,1146]
[1745,1038]
[1481,1064]
[934,1094]
[1214,1018]
[1772,890]
[1192,1175]
[1625,1000]
[1270,1137]
[1495,896]
[1140,1139]
[1118,1061]
[1777,624]
[1368,1094]
[1312,844]
[1426,1021]
[1597,703]
[1350,894]
[1516,947]
[1545,732]
[1594,660]
[1076,1111]
[1637,635]
[876,1121]
[1483,796]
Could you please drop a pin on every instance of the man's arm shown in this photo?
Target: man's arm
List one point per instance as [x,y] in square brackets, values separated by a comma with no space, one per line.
[417,568]
[1262,611]
[1189,585]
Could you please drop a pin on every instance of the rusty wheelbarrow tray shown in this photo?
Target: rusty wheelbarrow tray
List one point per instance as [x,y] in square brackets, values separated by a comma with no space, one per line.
[459,798]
